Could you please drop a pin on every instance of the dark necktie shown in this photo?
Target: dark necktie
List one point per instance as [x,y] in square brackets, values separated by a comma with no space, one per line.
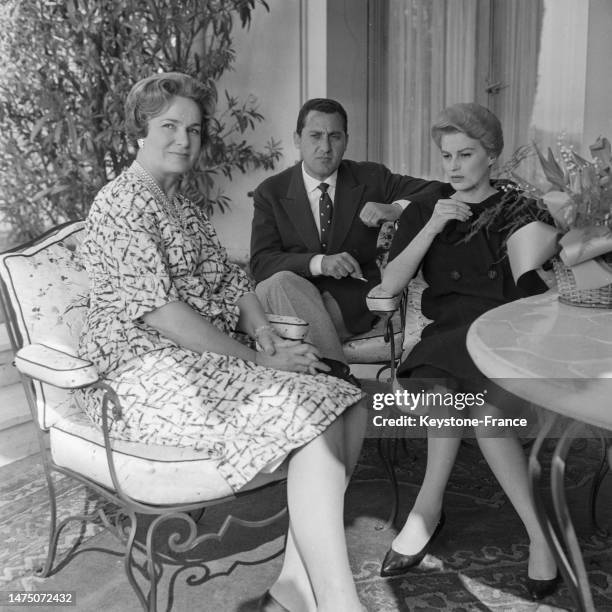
[325,214]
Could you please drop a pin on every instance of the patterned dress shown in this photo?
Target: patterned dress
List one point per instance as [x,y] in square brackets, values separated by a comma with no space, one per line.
[143,251]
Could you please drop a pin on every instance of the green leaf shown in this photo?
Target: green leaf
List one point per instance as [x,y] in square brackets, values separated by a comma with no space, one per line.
[61,119]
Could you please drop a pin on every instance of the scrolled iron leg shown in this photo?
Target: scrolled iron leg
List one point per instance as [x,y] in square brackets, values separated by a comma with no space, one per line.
[560,534]
[129,562]
[387,450]
[535,476]
[53,530]
[390,338]
[568,534]
[598,478]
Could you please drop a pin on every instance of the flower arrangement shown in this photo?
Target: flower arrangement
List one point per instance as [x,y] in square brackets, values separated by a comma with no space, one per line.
[581,194]
[579,232]
[569,223]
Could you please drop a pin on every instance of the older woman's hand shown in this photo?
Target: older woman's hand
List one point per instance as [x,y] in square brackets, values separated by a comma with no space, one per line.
[268,340]
[292,356]
[446,210]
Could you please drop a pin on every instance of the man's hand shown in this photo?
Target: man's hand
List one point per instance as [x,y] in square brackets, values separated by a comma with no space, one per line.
[340,265]
[374,214]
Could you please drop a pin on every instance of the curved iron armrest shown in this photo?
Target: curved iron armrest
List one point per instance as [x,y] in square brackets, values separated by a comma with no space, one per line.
[385,305]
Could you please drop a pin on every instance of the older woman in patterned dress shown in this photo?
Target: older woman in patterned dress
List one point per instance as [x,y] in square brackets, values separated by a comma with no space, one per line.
[166,316]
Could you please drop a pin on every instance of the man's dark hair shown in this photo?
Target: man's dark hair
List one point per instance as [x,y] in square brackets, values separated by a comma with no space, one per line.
[323,105]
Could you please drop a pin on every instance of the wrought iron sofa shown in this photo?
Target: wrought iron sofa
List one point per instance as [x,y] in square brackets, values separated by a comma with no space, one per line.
[43,290]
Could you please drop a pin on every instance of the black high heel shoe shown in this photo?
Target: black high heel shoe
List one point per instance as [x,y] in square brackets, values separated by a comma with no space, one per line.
[539,589]
[340,370]
[396,564]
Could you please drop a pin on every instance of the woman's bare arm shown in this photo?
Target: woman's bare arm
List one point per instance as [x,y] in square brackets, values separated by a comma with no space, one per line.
[188,329]
[401,269]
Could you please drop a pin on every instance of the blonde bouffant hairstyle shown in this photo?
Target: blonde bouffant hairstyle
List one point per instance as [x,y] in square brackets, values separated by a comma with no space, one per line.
[474,121]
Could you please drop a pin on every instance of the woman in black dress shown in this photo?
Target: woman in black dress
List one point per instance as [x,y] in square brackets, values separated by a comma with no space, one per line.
[467,276]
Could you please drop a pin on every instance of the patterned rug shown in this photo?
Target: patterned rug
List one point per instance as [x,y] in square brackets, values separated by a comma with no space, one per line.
[479,561]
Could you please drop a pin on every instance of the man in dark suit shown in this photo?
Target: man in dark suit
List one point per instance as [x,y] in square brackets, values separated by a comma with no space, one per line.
[315,229]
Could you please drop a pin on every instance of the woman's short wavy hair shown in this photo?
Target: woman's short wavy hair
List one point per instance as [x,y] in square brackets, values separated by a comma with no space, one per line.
[474,121]
[152,95]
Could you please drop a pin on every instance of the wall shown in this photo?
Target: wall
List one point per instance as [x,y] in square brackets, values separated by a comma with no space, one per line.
[574,92]
[267,66]
[598,91]
[347,62]
[559,100]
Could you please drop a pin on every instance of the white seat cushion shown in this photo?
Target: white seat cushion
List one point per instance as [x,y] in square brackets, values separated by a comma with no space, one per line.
[148,473]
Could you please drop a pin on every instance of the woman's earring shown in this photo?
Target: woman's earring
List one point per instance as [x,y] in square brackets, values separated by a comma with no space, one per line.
[140,142]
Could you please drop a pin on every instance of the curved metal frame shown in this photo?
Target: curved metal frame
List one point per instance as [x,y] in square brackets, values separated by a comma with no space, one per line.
[389,336]
[598,478]
[561,535]
[388,451]
[388,447]
[129,509]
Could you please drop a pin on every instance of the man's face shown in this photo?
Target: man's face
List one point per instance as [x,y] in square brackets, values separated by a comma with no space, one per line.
[322,143]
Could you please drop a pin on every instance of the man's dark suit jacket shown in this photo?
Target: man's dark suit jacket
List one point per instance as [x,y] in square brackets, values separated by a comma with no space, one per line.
[284,235]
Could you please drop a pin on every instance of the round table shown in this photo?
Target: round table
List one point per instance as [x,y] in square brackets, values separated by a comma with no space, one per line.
[560,358]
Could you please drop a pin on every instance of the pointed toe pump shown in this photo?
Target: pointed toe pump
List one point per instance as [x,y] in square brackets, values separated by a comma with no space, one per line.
[396,564]
[540,589]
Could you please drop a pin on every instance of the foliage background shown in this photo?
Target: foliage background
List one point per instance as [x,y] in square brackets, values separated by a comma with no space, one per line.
[65,70]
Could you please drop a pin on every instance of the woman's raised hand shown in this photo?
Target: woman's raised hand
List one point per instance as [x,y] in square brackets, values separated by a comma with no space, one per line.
[447,210]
